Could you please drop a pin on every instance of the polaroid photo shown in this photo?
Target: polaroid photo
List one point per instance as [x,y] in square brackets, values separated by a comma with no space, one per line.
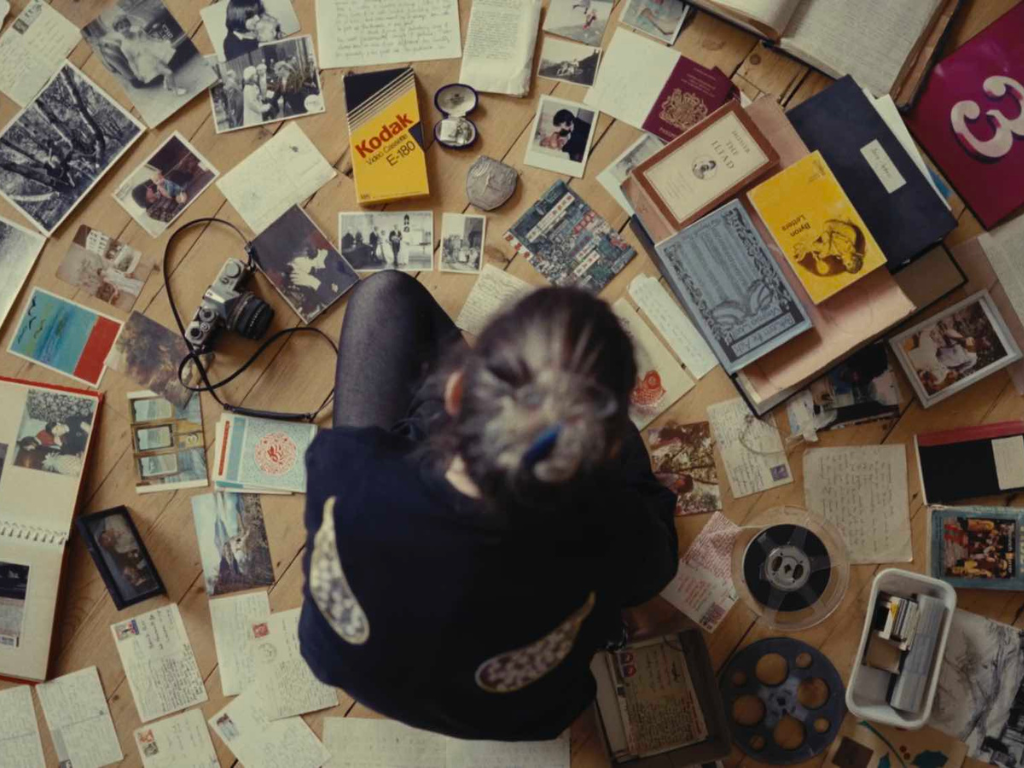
[13,589]
[120,556]
[55,150]
[54,432]
[19,250]
[462,243]
[570,62]
[168,448]
[65,337]
[149,354]
[952,350]
[105,268]
[165,184]
[580,20]
[232,542]
[561,136]
[276,81]
[303,264]
[378,240]
[153,58]
[237,28]
[660,19]
[612,177]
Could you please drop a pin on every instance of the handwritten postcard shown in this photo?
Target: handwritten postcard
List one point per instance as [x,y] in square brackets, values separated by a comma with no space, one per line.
[232,619]
[19,729]
[182,741]
[751,449]
[33,48]
[702,588]
[79,719]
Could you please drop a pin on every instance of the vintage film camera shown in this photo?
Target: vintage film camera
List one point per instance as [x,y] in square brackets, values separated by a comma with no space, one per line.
[225,305]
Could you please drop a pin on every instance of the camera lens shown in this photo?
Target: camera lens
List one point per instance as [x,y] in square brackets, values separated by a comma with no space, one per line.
[252,316]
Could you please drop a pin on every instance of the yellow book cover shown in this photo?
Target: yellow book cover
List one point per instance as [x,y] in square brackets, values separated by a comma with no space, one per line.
[389,159]
[824,239]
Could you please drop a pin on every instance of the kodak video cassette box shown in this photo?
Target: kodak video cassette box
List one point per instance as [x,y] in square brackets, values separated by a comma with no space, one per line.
[388,155]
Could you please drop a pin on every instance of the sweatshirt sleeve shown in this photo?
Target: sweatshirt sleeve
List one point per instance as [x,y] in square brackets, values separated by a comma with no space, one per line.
[645,547]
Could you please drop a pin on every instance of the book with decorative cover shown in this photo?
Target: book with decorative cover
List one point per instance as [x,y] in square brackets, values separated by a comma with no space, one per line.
[45,435]
[389,159]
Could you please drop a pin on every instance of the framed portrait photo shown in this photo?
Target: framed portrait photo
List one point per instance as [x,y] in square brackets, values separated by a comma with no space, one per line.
[952,350]
[120,556]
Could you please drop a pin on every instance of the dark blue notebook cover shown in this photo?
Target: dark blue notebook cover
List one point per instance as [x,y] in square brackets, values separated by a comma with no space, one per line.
[843,125]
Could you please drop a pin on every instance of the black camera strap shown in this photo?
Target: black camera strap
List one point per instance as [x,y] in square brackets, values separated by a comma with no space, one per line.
[194,356]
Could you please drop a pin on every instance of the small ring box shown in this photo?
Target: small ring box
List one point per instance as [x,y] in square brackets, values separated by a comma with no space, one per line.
[455,101]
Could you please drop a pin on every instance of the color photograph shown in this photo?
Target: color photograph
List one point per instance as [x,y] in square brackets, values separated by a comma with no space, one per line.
[402,240]
[54,432]
[237,27]
[65,337]
[232,542]
[103,267]
[462,243]
[153,58]
[303,265]
[56,149]
[661,19]
[581,20]
[979,548]
[683,460]
[569,62]
[948,352]
[273,82]
[168,445]
[162,187]
[13,589]
[120,556]
[19,249]
[561,137]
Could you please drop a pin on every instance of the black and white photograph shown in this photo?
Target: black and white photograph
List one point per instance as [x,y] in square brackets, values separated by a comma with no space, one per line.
[54,432]
[274,82]
[153,58]
[241,26]
[303,264]
[582,20]
[120,556]
[462,242]
[13,590]
[165,184]
[950,351]
[378,240]
[567,61]
[561,136]
[55,150]
[19,249]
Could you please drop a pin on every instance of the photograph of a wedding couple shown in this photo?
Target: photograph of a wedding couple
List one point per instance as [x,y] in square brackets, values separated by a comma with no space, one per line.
[947,353]
[165,184]
[561,137]
[273,82]
[151,56]
[402,240]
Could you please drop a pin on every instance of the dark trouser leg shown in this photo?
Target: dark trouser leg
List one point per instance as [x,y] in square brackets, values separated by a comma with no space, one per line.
[393,334]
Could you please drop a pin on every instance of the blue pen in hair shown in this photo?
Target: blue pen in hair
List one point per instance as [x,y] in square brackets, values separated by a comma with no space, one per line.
[542,446]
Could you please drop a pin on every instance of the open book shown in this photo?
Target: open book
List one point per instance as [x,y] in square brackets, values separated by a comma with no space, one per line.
[887,45]
[45,434]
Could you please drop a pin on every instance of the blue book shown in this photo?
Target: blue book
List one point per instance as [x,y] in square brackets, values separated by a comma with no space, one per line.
[976,547]
[721,270]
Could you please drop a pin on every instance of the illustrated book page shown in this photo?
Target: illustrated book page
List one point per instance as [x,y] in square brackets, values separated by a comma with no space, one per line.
[499,46]
[159,663]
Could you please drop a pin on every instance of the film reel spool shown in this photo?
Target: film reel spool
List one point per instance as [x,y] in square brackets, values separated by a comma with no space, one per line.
[785,700]
[790,568]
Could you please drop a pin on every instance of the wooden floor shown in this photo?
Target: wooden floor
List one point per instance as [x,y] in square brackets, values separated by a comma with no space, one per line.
[299,371]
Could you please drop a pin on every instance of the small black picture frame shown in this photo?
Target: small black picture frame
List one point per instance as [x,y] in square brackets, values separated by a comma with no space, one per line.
[120,556]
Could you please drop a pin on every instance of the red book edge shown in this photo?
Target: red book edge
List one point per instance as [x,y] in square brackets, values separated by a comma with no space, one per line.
[968,434]
[64,561]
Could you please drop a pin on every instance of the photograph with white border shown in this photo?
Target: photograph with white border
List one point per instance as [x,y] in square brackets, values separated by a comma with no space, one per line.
[568,61]
[19,250]
[462,243]
[660,19]
[56,149]
[956,348]
[581,20]
[561,136]
[373,241]
[612,177]
[166,183]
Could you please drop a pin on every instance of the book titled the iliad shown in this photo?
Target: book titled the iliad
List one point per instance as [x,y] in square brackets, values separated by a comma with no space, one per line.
[388,155]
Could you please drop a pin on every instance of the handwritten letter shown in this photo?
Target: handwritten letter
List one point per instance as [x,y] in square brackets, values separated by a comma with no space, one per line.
[669,320]
[499,46]
[19,732]
[494,291]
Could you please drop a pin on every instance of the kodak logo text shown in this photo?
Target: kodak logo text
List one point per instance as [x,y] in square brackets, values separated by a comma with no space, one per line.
[387,131]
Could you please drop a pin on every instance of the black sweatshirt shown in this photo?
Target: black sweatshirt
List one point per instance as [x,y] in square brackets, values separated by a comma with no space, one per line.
[454,618]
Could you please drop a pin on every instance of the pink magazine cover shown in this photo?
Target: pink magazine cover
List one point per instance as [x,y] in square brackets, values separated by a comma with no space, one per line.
[970,118]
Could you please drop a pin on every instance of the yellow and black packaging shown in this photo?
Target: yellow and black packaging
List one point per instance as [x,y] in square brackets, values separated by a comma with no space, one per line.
[388,155]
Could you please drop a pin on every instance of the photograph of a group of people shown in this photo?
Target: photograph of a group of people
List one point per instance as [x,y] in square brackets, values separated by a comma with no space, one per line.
[382,240]
[273,82]
[980,548]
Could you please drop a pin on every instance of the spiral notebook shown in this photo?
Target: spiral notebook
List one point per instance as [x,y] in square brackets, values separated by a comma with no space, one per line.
[45,437]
